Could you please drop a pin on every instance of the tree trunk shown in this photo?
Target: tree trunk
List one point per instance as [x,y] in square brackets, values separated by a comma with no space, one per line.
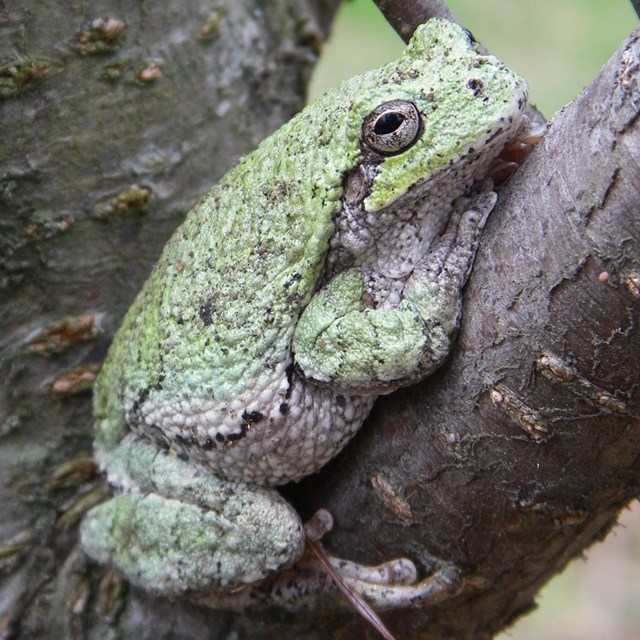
[114,117]
[507,463]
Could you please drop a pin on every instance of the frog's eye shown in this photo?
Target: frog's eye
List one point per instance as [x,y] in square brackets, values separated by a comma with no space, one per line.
[392,127]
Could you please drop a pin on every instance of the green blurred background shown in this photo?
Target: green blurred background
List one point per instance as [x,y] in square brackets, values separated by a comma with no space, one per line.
[558,46]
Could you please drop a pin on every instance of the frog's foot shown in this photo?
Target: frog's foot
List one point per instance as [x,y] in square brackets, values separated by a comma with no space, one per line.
[308,585]
[451,260]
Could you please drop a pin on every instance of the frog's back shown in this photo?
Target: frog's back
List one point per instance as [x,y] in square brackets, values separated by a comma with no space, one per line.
[204,351]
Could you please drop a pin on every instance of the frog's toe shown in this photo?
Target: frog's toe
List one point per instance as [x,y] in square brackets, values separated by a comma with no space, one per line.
[394,572]
[318,525]
[435,588]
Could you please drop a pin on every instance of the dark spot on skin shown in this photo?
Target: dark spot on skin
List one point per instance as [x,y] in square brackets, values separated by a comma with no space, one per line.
[143,394]
[134,416]
[284,408]
[234,437]
[182,456]
[340,401]
[208,444]
[294,278]
[252,416]
[476,86]
[205,312]
[280,192]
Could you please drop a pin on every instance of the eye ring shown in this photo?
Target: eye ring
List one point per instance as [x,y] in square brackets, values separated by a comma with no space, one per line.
[392,127]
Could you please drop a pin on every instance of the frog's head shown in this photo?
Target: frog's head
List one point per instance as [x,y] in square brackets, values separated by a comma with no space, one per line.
[442,104]
[430,125]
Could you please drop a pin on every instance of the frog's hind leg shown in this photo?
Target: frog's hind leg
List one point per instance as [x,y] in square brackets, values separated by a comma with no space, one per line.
[180,530]
[308,586]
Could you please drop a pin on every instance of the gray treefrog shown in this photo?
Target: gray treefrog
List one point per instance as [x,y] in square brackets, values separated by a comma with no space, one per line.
[322,271]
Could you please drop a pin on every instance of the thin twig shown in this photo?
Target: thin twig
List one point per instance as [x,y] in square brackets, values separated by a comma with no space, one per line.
[405,15]
[354,597]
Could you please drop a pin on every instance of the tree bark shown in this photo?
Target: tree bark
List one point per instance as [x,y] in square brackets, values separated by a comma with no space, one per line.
[114,118]
[522,451]
[507,463]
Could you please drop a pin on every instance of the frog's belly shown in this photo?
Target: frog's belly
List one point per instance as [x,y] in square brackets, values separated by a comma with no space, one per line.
[301,428]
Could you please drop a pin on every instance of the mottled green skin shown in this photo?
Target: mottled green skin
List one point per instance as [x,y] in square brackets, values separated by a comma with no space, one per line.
[286,302]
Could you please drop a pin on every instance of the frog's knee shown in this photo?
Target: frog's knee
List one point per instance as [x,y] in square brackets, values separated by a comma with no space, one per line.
[172,547]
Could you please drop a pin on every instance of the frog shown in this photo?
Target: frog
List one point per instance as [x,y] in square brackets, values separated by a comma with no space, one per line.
[322,271]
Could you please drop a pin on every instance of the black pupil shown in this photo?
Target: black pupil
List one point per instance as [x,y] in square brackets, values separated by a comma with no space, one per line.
[388,123]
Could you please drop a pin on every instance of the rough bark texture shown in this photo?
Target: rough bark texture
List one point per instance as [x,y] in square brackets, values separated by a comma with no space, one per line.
[114,117]
[523,450]
[508,463]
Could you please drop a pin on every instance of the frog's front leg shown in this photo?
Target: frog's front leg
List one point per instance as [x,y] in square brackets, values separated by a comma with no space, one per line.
[179,530]
[349,341]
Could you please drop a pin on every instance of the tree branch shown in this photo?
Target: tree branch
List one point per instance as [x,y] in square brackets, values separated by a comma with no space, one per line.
[405,15]
[523,450]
